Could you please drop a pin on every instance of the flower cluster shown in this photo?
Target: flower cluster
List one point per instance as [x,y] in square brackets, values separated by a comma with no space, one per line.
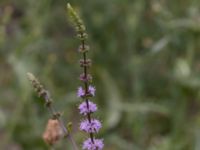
[97,144]
[84,109]
[89,125]
[82,93]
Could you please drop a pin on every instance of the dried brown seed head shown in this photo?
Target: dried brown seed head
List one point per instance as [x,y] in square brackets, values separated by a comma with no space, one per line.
[53,132]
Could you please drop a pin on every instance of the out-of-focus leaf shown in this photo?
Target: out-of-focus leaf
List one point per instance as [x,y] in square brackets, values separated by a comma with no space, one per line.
[143,108]
[182,69]
[113,99]
[187,23]
[159,45]
[122,143]
[21,68]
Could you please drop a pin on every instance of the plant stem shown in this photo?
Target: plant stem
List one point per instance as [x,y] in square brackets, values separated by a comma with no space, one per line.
[57,116]
[86,85]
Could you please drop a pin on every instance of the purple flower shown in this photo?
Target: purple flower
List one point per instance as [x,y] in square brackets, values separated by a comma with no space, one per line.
[97,145]
[84,78]
[90,127]
[92,90]
[80,92]
[84,110]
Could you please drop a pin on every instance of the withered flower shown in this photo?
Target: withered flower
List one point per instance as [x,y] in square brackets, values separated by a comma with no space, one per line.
[53,132]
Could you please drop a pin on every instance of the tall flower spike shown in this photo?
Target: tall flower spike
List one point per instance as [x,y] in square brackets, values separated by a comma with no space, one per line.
[86,108]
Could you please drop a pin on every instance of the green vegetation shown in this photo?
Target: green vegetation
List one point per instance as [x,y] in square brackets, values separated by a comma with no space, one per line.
[146,68]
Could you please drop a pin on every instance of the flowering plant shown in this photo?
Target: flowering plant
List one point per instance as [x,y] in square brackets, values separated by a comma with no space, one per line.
[89,125]
[56,129]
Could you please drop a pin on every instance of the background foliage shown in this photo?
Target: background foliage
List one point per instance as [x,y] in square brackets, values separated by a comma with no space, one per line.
[146,71]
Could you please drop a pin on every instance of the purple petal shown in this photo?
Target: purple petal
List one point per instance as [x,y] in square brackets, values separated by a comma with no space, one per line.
[80,92]
[92,90]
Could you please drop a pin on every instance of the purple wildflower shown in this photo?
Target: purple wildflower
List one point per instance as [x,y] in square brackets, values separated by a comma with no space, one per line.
[84,78]
[80,92]
[84,110]
[90,127]
[89,145]
[92,90]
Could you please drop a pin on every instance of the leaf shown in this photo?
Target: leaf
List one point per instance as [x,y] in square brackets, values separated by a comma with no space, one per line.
[113,99]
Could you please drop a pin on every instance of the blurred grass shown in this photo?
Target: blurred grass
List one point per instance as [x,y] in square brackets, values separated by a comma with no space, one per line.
[146,71]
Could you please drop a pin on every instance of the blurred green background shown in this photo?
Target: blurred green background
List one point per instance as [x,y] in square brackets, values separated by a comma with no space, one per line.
[146,69]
